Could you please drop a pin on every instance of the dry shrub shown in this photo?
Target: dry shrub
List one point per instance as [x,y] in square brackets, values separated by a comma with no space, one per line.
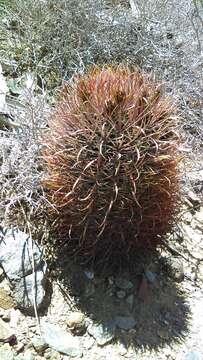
[112,165]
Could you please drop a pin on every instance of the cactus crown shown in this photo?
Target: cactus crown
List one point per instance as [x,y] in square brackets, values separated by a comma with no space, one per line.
[111,159]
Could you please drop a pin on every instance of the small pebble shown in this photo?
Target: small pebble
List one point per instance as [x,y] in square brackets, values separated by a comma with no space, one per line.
[76,322]
[19,347]
[39,345]
[103,333]
[121,294]
[50,354]
[47,353]
[6,316]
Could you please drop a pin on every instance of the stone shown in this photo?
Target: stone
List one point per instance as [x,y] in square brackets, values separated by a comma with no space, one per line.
[6,316]
[121,294]
[125,322]
[5,331]
[6,301]
[123,283]
[56,356]
[6,353]
[52,355]
[23,291]
[19,347]
[193,355]
[47,353]
[102,333]
[15,254]
[60,340]
[178,42]
[39,345]
[76,322]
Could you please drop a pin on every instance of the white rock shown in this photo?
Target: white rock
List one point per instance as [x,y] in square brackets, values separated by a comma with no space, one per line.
[15,254]
[61,340]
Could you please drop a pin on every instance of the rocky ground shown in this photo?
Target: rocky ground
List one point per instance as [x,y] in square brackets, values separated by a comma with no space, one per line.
[154,312]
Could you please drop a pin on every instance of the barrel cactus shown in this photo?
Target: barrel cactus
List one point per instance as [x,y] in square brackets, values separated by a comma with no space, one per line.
[111,158]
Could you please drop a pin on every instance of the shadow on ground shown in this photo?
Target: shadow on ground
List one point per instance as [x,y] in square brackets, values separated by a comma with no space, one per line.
[159,307]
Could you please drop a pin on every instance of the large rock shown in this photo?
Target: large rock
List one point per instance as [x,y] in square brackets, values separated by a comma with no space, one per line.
[103,333]
[24,294]
[15,254]
[60,340]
